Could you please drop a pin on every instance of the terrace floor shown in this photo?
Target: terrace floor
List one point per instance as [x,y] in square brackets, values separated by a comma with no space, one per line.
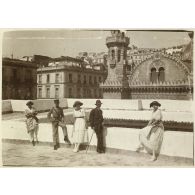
[44,156]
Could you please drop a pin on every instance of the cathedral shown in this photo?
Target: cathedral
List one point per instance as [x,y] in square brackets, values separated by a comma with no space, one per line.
[147,73]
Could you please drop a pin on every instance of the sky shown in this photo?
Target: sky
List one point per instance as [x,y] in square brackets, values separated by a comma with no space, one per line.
[61,42]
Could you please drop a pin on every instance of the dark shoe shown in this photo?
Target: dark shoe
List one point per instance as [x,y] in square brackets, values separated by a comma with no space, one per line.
[98,151]
[67,141]
[139,149]
[58,145]
[55,147]
[33,143]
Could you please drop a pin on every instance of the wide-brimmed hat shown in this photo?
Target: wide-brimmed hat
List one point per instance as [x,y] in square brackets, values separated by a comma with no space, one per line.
[29,103]
[155,103]
[56,101]
[98,102]
[77,103]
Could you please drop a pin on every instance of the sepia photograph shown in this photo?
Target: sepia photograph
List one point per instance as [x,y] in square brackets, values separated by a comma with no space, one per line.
[97,98]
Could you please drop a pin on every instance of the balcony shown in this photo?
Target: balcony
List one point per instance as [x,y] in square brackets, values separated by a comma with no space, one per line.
[110,41]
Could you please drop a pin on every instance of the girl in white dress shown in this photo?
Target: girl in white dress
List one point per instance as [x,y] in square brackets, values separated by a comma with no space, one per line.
[151,136]
[80,134]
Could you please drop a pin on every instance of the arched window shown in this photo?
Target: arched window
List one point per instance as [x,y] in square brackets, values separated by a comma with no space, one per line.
[161,74]
[153,76]
[124,54]
[113,54]
[128,67]
[119,55]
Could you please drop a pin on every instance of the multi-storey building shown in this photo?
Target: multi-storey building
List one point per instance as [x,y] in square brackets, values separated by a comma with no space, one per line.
[19,79]
[67,77]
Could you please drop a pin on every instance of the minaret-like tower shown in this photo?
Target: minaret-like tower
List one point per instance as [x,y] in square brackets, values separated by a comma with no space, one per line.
[116,85]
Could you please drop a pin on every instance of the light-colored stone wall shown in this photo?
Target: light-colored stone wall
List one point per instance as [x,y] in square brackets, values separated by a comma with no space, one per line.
[40,105]
[6,106]
[178,144]
[110,104]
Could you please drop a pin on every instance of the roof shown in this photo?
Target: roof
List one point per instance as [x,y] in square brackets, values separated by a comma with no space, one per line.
[17,62]
[67,58]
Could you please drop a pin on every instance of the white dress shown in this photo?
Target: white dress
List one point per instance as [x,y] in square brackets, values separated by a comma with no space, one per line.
[80,134]
[151,136]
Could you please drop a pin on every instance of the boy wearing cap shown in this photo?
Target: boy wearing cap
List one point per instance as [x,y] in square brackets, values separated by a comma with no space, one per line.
[96,122]
[56,116]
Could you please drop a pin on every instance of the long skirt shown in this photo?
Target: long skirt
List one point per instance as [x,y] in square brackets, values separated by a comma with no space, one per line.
[80,134]
[32,128]
[151,138]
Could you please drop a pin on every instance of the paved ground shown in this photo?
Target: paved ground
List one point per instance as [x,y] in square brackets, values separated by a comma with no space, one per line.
[27,155]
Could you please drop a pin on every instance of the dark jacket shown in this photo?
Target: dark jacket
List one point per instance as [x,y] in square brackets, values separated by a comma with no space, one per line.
[96,117]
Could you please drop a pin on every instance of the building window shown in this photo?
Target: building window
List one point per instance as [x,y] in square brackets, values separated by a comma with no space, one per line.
[40,93]
[128,67]
[95,80]
[100,93]
[40,78]
[57,92]
[48,78]
[161,74]
[85,80]
[57,78]
[70,92]
[70,78]
[100,79]
[113,54]
[89,93]
[153,76]
[28,76]
[90,80]
[119,55]
[124,54]
[79,78]
[14,76]
[48,92]
[78,92]
[95,93]
[84,93]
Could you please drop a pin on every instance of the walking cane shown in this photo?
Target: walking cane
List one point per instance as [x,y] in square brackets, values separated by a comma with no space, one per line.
[89,141]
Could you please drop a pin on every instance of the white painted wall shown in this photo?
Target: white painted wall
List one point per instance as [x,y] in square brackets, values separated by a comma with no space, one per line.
[6,106]
[167,105]
[122,106]
[178,144]
[40,105]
